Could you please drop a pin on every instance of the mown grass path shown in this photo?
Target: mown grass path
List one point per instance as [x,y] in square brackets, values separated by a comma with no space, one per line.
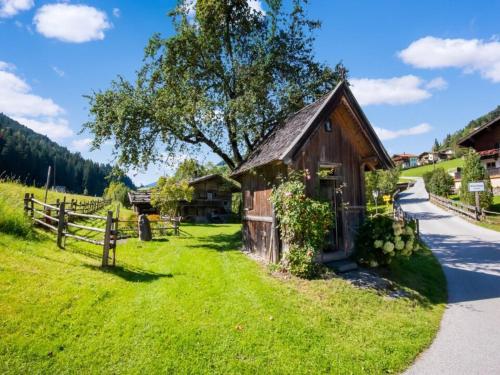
[196,304]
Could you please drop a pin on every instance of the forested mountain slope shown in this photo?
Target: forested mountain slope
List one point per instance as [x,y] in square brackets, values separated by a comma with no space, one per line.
[26,155]
[451,139]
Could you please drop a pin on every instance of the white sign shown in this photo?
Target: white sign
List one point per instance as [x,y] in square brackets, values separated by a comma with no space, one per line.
[476,186]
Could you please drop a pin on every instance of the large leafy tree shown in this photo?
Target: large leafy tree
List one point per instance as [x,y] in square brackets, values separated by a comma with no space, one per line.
[224,80]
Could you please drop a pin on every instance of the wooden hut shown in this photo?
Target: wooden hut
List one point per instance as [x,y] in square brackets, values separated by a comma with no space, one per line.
[212,199]
[141,202]
[330,134]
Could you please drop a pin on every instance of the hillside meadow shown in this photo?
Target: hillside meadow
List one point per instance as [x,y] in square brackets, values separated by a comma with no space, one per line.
[196,304]
[419,171]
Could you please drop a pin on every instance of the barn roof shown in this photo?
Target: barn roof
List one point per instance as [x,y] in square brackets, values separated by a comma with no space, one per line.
[467,140]
[284,140]
[230,183]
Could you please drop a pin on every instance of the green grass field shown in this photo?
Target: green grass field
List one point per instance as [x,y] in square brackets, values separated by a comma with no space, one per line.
[419,171]
[195,304]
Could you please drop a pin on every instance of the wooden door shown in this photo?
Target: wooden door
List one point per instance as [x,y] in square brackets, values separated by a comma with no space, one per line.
[331,192]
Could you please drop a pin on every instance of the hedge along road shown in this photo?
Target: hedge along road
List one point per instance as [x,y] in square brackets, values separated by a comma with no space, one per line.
[468,341]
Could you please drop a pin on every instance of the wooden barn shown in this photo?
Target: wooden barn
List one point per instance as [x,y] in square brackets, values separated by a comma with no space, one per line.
[212,199]
[331,134]
[141,202]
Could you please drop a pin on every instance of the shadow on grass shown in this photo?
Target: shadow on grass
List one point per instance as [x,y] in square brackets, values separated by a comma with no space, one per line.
[220,242]
[134,275]
[421,274]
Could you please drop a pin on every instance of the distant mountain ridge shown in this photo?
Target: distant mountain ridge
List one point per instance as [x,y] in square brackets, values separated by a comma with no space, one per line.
[26,155]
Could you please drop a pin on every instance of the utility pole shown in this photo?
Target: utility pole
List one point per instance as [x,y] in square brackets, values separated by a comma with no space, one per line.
[47,184]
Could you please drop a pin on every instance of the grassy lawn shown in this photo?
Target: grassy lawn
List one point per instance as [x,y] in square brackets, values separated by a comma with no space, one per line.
[419,171]
[195,304]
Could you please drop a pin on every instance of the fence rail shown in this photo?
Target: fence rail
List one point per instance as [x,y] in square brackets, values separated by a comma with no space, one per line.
[128,228]
[466,210]
[59,219]
[456,206]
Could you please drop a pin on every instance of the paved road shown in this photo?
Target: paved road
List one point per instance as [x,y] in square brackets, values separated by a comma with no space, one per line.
[468,341]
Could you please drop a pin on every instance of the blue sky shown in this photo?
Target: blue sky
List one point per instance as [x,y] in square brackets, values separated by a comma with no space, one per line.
[420,69]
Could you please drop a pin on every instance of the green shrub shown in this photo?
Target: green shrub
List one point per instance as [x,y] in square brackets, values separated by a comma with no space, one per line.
[474,171]
[117,192]
[438,182]
[380,238]
[303,222]
[12,220]
[441,183]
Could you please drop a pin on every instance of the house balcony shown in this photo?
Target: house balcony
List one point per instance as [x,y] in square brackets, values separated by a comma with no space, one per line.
[493,172]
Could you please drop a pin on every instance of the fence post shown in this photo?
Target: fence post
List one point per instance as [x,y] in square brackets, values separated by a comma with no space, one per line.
[26,200]
[107,239]
[32,205]
[60,225]
[176,226]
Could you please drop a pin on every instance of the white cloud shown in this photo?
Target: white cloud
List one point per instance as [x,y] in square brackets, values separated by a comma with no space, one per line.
[256,6]
[54,128]
[386,134]
[6,66]
[37,113]
[437,84]
[394,91]
[470,55]
[16,98]
[58,71]
[116,12]
[81,145]
[71,23]
[9,8]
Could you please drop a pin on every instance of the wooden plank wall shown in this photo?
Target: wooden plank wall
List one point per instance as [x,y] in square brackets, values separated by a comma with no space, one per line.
[257,234]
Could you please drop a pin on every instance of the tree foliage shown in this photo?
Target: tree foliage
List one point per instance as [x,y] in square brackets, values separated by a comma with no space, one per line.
[189,169]
[438,182]
[384,181]
[225,79]
[117,192]
[26,155]
[474,171]
[167,194]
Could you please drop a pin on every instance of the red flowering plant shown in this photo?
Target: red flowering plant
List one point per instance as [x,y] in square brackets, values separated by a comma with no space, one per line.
[303,222]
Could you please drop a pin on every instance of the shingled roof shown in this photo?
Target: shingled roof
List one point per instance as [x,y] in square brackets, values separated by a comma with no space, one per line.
[284,138]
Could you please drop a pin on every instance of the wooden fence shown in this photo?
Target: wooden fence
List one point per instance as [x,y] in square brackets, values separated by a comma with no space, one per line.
[86,207]
[130,228]
[466,210]
[460,208]
[63,221]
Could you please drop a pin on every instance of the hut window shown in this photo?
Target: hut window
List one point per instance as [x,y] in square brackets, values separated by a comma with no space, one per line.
[329,171]
[248,200]
[328,126]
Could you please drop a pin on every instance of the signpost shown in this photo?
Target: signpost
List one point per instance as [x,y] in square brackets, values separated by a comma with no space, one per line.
[375,196]
[476,188]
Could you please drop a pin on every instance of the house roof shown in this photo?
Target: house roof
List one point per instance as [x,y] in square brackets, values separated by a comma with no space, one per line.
[403,156]
[143,196]
[231,184]
[467,140]
[287,137]
[492,152]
